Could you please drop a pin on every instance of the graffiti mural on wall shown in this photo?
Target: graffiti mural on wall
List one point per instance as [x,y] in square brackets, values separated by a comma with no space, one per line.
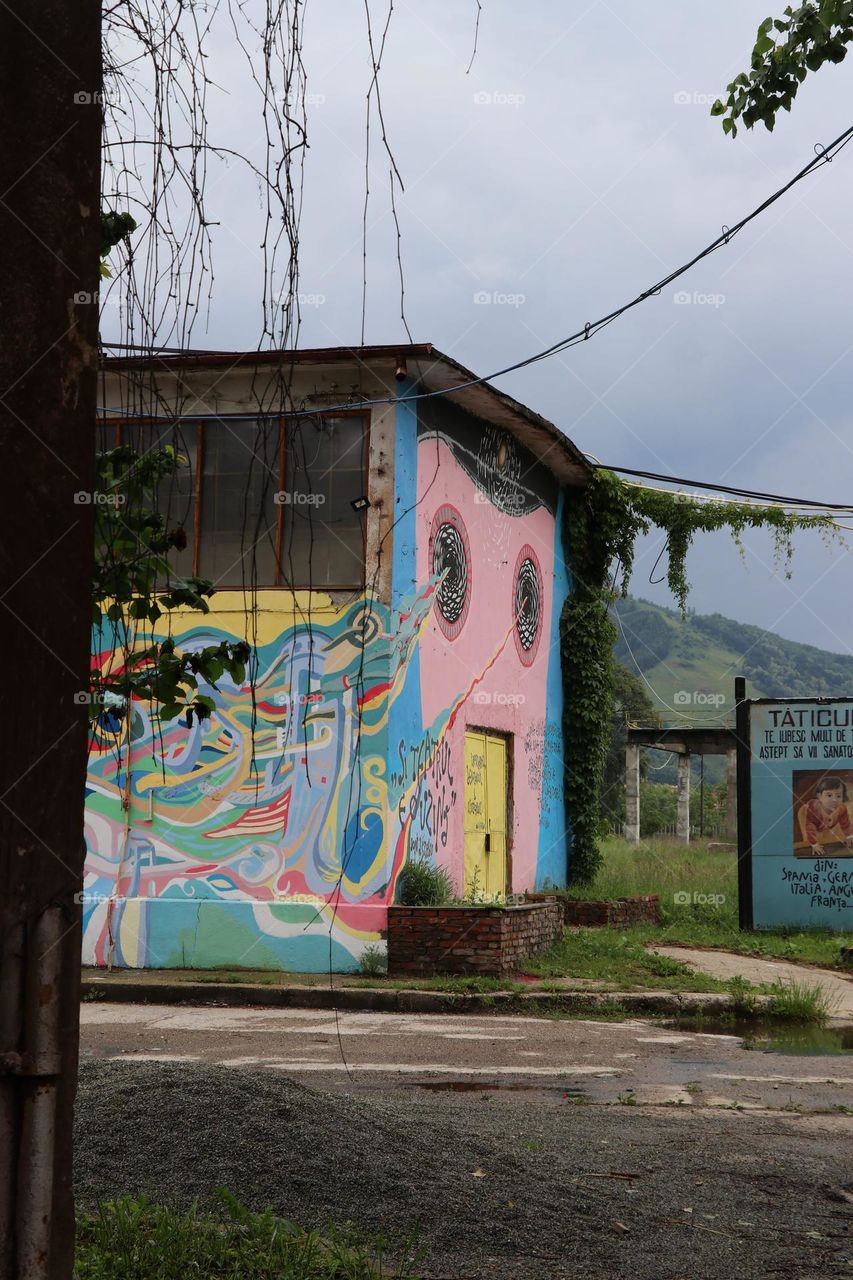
[279,801]
[272,835]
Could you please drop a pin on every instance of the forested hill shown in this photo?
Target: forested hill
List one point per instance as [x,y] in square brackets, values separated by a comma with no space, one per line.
[690,663]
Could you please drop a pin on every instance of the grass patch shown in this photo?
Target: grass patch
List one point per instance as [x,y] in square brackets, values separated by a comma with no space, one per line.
[472,985]
[703,875]
[234,979]
[744,998]
[130,1239]
[799,1002]
[618,959]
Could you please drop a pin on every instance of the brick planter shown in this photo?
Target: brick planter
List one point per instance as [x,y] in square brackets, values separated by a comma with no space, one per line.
[423,941]
[615,911]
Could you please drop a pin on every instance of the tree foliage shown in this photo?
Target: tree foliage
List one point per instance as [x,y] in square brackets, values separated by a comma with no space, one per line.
[786,49]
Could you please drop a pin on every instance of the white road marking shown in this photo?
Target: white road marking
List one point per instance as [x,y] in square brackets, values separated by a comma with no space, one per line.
[474,1035]
[347,1022]
[731,1075]
[445,1068]
[131,1056]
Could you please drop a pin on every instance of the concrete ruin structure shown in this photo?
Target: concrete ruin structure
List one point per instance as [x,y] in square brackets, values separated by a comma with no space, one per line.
[684,742]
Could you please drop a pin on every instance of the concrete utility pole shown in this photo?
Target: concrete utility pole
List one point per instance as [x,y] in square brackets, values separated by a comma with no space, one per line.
[632,792]
[682,825]
[731,795]
[50,81]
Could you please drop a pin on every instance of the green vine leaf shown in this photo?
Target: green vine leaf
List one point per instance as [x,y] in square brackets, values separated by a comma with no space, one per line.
[601,523]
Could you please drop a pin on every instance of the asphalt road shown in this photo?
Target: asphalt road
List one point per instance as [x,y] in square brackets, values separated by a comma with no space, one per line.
[600,1062]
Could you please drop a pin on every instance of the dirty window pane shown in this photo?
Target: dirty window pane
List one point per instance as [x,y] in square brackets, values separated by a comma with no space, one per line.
[324,473]
[240,478]
[176,493]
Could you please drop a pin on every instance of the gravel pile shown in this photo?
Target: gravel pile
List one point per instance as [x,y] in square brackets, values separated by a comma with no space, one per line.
[506,1187]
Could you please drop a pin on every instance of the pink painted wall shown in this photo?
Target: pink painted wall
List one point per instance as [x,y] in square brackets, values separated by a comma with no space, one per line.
[503,687]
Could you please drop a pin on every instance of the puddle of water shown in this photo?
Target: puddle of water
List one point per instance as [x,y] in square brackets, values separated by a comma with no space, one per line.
[806,1042]
[474,1086]
[775,1037]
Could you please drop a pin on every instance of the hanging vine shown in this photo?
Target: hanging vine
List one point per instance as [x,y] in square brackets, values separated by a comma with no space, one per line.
[601,524]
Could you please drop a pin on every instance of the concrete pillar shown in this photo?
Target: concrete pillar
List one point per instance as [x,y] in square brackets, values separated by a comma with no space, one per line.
[632,792]
[731,795]
[682,825]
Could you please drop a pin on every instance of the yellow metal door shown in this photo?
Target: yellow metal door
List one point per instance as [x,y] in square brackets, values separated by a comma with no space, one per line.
[496,815]
[485,815]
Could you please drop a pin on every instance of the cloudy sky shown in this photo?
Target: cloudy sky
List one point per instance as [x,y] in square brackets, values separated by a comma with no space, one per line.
[572,167]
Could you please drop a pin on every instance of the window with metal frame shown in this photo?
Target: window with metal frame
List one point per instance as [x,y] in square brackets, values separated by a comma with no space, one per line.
[269,502]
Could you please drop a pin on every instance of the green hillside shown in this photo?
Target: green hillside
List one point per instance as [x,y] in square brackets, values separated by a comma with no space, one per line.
[691,663]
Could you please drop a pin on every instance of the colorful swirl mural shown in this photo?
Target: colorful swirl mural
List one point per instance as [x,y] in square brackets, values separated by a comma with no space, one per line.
[272,834]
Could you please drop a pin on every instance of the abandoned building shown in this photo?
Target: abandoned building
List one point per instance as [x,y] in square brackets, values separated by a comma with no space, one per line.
[385,530]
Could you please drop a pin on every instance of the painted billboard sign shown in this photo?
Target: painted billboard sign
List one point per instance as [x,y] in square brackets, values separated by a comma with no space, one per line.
[796,820]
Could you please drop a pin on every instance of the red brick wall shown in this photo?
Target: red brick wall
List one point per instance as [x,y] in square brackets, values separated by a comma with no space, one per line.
[423,941]
[618,911]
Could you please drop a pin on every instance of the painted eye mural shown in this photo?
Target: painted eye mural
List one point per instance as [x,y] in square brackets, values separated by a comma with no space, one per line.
[451,562]
[527,604]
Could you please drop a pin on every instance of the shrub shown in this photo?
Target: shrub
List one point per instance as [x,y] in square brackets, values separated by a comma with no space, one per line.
[744,997]
[800,1002]
[422,883]
[373,961]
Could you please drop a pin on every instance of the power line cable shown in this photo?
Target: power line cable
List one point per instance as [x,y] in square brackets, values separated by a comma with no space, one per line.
[757,494]
[824,155]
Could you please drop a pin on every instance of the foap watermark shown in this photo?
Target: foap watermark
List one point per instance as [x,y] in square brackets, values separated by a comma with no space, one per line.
[84,298]
[290,100]
[311,299]
[497,98]
[84,697]
[498,699]
[696,698]
[692,98]
[497,299]
[697,899]
[697,299]
[84,499]
[297,699]
[283,498]
[509,500]
[84,898]
[301,899]
[99,98]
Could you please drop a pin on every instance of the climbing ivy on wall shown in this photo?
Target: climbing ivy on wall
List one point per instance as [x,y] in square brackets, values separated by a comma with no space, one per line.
[601,524]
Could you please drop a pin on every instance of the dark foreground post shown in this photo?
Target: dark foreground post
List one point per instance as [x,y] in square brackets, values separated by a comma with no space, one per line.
[50,81]
[744,806]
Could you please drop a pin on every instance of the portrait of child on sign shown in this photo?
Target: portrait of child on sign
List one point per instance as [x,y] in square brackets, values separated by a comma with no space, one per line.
[822,821]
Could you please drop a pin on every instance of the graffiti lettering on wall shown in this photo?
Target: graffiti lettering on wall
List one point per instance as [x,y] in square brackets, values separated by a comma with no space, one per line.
[543,749]
[424,778]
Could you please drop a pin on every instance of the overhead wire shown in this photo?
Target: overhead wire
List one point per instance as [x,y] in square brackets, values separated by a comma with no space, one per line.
[823,155]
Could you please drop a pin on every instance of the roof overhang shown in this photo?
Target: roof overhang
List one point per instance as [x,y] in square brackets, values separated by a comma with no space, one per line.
[430,368]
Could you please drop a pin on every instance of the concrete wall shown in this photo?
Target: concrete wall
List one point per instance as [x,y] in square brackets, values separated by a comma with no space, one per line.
[490,668]
[271,836]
